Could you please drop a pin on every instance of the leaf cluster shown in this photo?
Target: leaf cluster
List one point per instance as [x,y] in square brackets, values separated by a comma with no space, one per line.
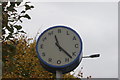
[11,16]
[20,60]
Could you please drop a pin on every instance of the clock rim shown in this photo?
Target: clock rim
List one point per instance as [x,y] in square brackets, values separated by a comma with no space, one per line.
[54,66]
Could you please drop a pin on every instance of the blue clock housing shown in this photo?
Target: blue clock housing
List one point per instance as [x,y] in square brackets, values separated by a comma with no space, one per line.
[65,68]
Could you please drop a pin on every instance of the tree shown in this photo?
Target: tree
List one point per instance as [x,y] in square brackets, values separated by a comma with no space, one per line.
[11,16]
[18,52]
[24,63]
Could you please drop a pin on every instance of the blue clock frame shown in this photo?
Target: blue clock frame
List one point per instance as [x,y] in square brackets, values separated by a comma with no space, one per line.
[65,68]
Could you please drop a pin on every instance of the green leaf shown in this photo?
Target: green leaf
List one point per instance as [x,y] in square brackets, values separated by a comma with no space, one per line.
[27,2]
[16,33]
[27,7]
[4,4]
[18,3]
[22,31]
[11,9]
[14,14]
[3,32]
[10,29]
[18,27]
[9,36]
[32,6]
[12,4]
[23,12]
[27,16]
[20,20]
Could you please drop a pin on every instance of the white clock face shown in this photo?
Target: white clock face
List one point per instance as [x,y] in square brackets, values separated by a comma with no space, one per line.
[59,46]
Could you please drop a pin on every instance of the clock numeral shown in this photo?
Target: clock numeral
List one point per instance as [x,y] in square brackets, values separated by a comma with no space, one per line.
[76,46]
[50,33]
[41,46]
[43,54]
[66,59]
[59,30]
[67,33]
[50,60]
[73,54]
[44,39]
[59,62]
[74,38]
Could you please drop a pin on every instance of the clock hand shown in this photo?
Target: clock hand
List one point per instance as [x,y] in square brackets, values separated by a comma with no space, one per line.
[60,48]
[56,39]
[57,42]
[63,50]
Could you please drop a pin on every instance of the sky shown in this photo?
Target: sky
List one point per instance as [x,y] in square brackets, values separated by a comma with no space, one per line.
[96,23]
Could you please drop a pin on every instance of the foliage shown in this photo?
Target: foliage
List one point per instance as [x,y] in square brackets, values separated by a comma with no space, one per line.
[24,63]
[68,76]
[21,61]
[11,16]
[18,52]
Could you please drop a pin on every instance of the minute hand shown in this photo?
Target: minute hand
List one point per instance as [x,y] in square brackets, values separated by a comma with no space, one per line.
[63,50]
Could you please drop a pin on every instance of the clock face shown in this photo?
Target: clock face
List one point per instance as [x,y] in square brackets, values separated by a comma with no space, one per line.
[59,46]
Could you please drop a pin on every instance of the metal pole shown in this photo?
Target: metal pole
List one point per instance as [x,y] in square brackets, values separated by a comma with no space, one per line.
[58,75]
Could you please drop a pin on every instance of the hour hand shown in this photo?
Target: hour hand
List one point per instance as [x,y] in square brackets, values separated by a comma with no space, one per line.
[57,42]
[56,39]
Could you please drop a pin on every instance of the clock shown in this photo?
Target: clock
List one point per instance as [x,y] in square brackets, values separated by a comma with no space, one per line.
[59,48]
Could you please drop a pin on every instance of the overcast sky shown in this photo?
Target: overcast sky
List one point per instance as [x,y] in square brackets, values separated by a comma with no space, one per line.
[96,23]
